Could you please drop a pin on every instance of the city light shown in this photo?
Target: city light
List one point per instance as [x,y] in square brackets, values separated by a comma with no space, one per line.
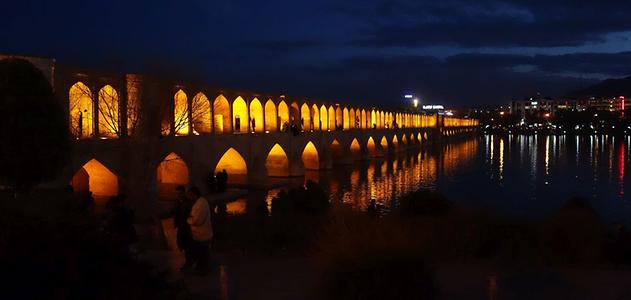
[415,101]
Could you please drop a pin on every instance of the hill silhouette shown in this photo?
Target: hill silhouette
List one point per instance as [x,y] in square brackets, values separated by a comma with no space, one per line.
[606,88]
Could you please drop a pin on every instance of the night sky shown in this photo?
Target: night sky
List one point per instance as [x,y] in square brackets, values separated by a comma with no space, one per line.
[464,53]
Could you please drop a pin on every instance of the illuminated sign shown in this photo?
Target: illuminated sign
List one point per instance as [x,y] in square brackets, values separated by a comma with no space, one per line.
[409,96]
[433,107]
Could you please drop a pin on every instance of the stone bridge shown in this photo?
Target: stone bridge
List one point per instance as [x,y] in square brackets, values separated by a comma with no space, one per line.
[143,136]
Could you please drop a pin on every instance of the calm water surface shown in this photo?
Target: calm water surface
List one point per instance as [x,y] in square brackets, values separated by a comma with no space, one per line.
[510,175]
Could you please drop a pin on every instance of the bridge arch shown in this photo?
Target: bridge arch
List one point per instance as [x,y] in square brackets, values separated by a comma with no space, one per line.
[305,117]
[270,116]
[346,118]
[256,116]
[109,113]
[339,117]
[331,118]
[324,120]
[222,116]
[374,119]
[171,172]
[336,150]
[181,120]
[283,113]
[355,149]
[352,118]
[310,157]
[364,119]
[384,143]
[371,148]
[95,177]
[81,109]
[200,114]
[277,163]
[395,142]
[295,113]
[233,162]
[240,115]
[315,117]
[404,139]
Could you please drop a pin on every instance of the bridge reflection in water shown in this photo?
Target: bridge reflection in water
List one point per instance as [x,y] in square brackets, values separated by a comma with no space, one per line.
[384,179]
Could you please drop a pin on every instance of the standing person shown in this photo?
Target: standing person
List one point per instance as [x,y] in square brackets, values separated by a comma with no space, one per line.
[180,214]
[201,229]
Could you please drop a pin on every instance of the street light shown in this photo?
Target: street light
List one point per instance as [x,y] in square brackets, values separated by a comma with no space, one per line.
[415,101]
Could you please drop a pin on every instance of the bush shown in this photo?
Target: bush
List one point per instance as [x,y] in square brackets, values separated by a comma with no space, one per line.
[574,235]
[49,248]
[364,258]
[424,203]
[33,128]
[310,199]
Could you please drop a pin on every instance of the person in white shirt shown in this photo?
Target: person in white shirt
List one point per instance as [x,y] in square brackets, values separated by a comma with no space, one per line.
[201,229]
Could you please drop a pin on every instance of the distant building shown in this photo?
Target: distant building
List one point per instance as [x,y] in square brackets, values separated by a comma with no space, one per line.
[540,105]
[533,106]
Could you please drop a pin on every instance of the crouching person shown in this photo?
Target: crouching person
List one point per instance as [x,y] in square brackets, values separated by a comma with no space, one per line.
[201,230]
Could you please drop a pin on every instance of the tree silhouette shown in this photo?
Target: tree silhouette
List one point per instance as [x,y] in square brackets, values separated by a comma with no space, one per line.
[33,128]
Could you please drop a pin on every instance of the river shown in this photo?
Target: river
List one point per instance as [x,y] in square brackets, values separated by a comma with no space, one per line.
[525,176]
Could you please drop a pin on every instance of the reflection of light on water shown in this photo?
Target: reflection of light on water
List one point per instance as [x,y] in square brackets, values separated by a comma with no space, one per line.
[270,196]
[387,179]
[547,157]
[621,165]
[491,150]
[237,207]
[501,158]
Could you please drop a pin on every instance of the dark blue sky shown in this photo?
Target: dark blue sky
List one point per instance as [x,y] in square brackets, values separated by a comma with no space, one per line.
[363,51]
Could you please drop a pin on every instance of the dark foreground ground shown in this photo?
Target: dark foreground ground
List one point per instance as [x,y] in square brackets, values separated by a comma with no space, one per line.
[253,276]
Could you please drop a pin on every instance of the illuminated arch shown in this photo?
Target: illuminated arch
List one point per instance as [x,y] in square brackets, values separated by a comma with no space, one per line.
[180,113]
[109,121]
[347,119]
[339,117]
[395,141]
[171,172]
[305,117]
[222,116]
[336,150]
[283,113]
[331,118]
[316,117]
[295,113]
[352,118]
[419,137]
[276,163]
[373,118]
[234,164]
[425,136]
[200,114]
[310,157]
[384,143]
[364,120]
[323,118]
[240,115]
[256,116]
[270,116]
[404,139]
[81,109]
[355,149]
[371,147]
[96,178]
[380,119]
